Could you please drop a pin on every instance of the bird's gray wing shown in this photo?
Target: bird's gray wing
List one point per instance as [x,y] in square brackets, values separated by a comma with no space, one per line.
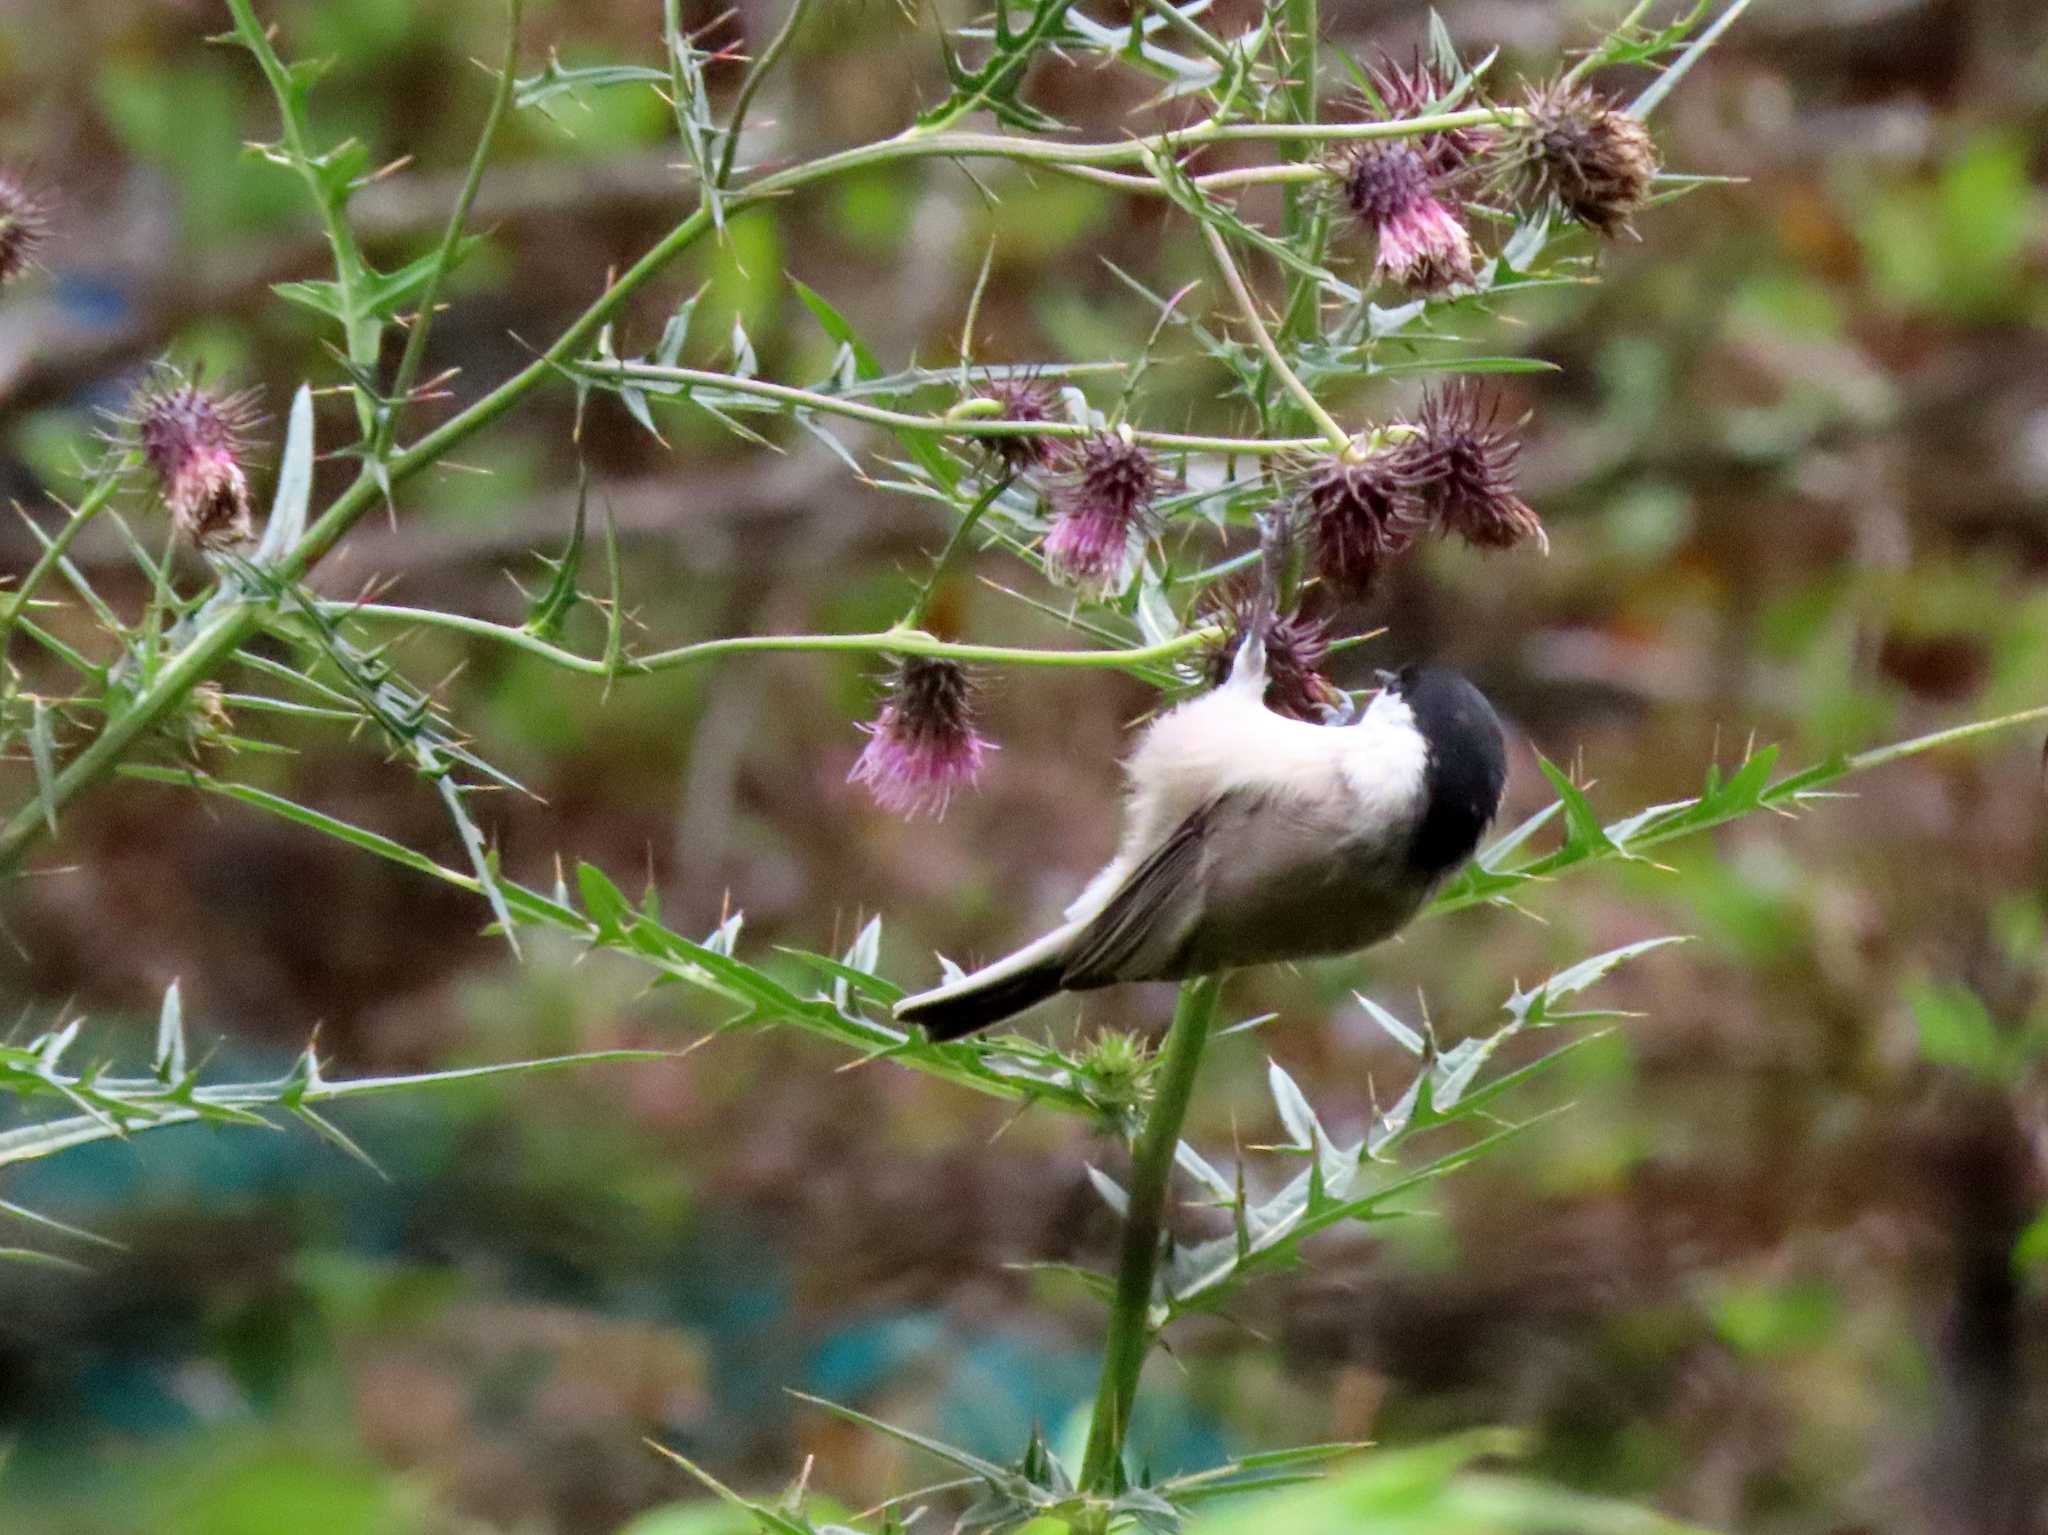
[1140,929]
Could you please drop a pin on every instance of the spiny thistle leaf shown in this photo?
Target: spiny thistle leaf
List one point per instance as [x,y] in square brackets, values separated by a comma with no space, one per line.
[288,507]
[1269,1233]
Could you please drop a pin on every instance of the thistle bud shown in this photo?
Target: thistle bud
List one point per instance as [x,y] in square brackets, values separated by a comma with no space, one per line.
[1104,509]
[1361,515]
[22,222]
[1462,464]
[1583,156]
[1422,245]
[192,440]
[1418,89]
[923,745]
[1021,399]
[1296,647]
[1118,1067]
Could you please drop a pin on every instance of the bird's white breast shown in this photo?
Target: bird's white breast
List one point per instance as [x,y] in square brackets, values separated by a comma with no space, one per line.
[1369,775]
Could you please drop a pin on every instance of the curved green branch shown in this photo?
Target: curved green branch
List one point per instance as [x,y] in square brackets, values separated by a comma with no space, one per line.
[952,424]
[895,642]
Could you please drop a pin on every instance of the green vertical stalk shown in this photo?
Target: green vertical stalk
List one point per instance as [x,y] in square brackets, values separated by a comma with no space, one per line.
[1130,1317]
[1299,25]
[1304,212]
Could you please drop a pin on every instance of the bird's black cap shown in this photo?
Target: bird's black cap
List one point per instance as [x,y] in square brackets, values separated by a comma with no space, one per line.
[1467,766]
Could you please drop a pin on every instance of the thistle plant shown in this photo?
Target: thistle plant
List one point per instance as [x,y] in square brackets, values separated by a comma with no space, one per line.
[1430,194]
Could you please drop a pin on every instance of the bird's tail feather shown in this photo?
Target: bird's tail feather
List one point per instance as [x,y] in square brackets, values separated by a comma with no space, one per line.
[992,993]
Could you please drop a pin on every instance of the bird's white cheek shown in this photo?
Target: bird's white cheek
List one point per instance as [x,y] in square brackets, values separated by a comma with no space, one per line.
[1387,772]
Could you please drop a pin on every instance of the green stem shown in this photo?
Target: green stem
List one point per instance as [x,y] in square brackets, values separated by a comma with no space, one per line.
[1338,439]
[752,84]
[1214,181]
[962,530]
[1303,220]
[911,145]
[423,319]
[1299,29]
[953,424]
[1130,1317]
[903,641]
[359,330]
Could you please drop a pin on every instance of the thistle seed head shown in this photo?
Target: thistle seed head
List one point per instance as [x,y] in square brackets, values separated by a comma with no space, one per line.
[1462,463]
[1583,156]
[1296,647]
[1361,515]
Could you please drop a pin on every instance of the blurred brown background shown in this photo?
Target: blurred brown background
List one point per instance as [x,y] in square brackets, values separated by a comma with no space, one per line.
[1778,1268]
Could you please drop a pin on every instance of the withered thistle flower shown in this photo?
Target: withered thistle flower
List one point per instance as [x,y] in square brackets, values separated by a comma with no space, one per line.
[1296,647]
[1462,463]
[924,744]
[1416,89]
[1021,399]
[1582,155]
[1422,244]
[22,223]
[192,440]
[1362,514]
[1104,506]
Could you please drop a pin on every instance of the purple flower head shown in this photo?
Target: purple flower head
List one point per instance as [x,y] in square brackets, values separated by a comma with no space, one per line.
[1422,245]
[1362,513]
[1463,465]
[192,441]
[1296,647]
[924,744]
[1021,399]
[1102,509]
[1418,89]
[1583,156]
[22,222]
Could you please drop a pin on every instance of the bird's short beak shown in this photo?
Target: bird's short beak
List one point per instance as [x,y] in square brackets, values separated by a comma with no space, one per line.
[1388,680]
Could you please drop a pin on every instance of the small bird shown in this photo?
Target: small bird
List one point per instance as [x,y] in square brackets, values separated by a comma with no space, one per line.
[1250,837]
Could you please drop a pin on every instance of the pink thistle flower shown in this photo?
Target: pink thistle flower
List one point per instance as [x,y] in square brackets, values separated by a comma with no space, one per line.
[1422,244]
[1103,509]
[192,441]
[924,744]
[1021,399]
